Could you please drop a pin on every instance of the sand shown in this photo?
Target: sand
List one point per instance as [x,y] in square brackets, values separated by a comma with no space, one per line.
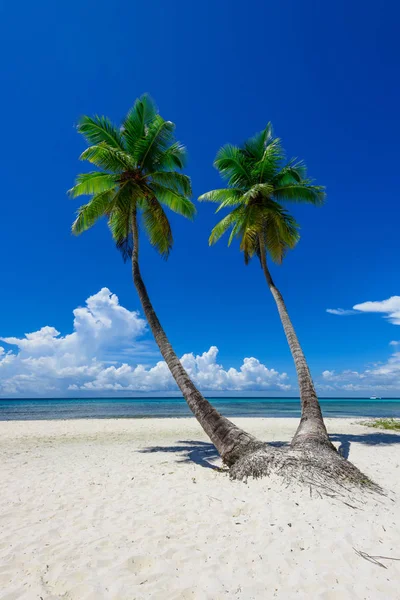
[131,509]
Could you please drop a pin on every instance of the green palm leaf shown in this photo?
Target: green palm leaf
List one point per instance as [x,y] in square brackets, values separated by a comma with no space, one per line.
[236,216]
[280,236]
[134,126]
[157,139]
[265,169]
[93,183]
[255,146]
[88,214]
[301,192]
[99,130]
[178,182]
[108,158]
[120,227]
[257,191]
[220,195]
[174,157]
[178,203]
[258,183]
[157,227]
[292,172]
[234,166]
[138,172]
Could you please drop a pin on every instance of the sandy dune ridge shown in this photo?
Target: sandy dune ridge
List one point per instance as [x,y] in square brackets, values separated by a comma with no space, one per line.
[132,509]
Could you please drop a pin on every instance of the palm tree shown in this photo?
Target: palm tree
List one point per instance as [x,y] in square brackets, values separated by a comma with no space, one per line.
[259,181]
[139,174]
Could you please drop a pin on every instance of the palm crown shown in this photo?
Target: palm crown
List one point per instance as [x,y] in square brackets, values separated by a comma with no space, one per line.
[259,182]
[138,170]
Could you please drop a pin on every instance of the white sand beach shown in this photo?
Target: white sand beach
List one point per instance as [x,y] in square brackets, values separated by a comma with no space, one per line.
[131,509]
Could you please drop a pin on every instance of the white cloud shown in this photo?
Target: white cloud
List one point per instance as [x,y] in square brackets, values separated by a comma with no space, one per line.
[380,377]
[203,369]
[390,308]
[97,357]
[328,374]
[340,311]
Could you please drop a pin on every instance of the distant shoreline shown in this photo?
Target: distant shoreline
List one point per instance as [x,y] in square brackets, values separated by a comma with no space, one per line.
[32,409]
[275,398]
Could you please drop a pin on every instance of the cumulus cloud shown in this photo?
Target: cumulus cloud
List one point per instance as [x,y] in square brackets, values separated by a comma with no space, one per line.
[383,378]
[107,353]
[390,308]
[203,369]
[394,343]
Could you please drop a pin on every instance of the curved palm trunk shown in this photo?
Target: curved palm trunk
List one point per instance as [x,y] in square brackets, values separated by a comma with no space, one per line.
[312,427]
[230,441]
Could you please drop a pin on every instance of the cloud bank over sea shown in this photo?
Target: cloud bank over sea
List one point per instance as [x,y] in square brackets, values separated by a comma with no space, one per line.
[110,351]
[107,352]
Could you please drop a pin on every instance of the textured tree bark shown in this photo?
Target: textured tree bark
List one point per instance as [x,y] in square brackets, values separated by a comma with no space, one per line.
[312,427]
[230,441]
[311,458]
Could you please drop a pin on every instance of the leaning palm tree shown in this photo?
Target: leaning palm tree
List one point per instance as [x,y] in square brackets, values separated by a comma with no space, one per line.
[259,183]
[138,175]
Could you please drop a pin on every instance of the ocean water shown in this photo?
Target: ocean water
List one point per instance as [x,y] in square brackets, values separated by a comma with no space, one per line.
[124,408]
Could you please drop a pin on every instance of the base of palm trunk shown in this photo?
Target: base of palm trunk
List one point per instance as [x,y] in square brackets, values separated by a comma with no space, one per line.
[315,466]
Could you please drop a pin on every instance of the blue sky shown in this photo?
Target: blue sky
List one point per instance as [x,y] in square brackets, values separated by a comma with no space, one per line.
[325,74]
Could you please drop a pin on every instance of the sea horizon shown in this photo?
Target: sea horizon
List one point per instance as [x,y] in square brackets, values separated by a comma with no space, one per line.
[140,407]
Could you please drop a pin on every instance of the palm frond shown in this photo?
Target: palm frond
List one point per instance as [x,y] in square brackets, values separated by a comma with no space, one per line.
[301,192]
[281,233]
[237,230]
[157,227]
[224,224]
[159,136]
[175,201]
[220,195]
[93,183]
[258,184]
[293,172]
[233,166]
[99,206]
[232,201]
[120,227]
[108,158]
[138,171]
[257,191]
[255,146]
[265,169]
[178,182]
[174,157]
[128,193]
[138,118]
[250,220]
[97,129]
[249,244]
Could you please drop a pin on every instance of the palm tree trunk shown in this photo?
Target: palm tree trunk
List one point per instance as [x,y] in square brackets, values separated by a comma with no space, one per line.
[230,441]
[312,427]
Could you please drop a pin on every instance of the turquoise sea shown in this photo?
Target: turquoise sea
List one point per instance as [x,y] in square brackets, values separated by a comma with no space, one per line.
[124,408]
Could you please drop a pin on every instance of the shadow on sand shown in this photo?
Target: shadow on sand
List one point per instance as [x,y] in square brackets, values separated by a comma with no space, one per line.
[202,453]
[369,439]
